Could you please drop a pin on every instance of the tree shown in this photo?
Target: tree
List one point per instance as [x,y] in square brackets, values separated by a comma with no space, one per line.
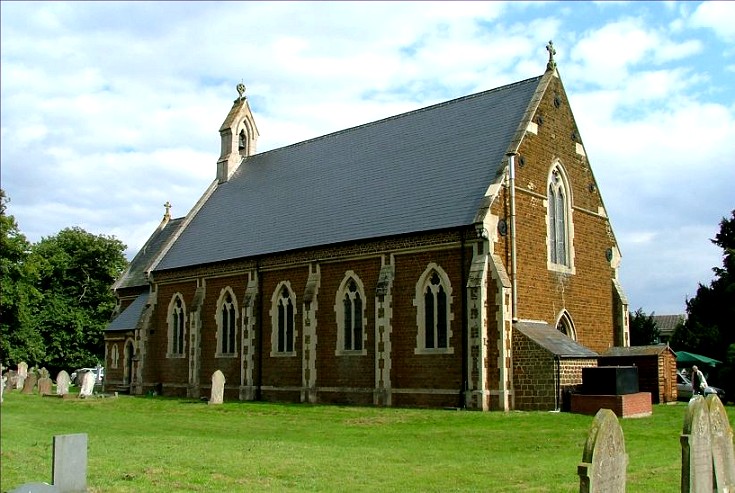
[643,329]
[709,329]
[19,341]
[75,271]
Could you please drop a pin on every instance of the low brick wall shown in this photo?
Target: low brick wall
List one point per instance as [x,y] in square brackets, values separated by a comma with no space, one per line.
[624,406]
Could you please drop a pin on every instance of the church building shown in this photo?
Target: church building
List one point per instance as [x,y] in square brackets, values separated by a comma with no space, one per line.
[459,255]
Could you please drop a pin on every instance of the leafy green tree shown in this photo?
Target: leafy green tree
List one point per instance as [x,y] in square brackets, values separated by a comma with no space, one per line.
[643,329]
[709,328]
[75,272]
[19,340]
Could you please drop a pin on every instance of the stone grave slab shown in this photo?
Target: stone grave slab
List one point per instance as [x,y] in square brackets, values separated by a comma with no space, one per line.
[604,461]
[36,488]
[697,475]
[45,386]
[723,456]
[30,383]
[23,369]
[87,385]
[218,388]
[69,469]
[62,383]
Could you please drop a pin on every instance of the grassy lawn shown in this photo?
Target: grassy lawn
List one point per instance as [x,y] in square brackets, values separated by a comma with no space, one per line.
[139,444]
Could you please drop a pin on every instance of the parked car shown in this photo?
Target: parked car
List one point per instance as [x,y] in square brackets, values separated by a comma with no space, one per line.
[684,388]
[76,376]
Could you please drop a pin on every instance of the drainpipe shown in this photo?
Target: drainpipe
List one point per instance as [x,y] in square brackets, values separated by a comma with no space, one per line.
[557,383]
[513,264]
[259,299]
[465,334]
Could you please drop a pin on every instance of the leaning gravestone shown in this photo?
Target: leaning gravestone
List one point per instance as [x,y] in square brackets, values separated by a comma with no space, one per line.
[12,382]
[30,383]
[69,469]
[723,456]
[218,388]
[62,383]
[87,384]
[696,449]
[45,386]
[604,460]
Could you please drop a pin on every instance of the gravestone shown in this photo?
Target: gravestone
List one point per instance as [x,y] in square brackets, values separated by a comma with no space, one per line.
[218,388]
[30,383]
[23,369]
[62,383]
[3,379]
[12,382]
[36,488]
[604,460]
[87,384]
[69,469]
[696,449]
[723,456]
[45,386]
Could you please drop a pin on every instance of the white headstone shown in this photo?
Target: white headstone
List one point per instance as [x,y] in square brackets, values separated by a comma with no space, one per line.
[697,475]
[3,379]
[70,463]
[87,384]
[23,369]
[218,388]
[20,381]
[723,456]
[62,383]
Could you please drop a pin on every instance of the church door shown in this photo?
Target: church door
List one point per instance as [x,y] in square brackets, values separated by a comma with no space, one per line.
[129,352]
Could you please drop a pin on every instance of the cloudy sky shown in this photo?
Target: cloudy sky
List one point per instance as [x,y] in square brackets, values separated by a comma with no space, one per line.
[110,109]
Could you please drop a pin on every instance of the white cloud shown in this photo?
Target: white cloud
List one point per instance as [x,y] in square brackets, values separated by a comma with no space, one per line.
[718,16]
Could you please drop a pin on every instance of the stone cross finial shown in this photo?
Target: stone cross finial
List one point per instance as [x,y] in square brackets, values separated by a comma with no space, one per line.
[551,65]
[168,206]
[241,90]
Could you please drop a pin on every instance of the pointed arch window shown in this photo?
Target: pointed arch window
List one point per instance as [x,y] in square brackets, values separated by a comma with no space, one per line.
[565,325]
[283,315]
[350,310]
[559,221]
[176,327]
[226,324]
[434,312]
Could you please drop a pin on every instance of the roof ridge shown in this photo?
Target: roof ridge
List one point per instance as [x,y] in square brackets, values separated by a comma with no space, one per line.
[402,115]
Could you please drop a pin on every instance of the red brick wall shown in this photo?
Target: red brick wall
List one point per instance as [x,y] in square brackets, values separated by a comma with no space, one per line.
[542,294]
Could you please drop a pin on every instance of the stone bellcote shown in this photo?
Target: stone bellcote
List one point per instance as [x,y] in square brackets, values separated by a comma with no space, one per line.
[238,135]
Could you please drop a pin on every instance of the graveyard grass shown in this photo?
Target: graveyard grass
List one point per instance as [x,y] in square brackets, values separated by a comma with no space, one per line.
[139,444]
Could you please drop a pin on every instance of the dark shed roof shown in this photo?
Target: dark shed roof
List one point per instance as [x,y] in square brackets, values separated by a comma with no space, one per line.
[419,171]
[552,340]
[129,318]
[653,350]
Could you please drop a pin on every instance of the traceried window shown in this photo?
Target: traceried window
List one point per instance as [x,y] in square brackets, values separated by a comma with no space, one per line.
[559,221]
[283,315]
[350,310]
[433,312]
[565,325]
[226,324]
[176,327]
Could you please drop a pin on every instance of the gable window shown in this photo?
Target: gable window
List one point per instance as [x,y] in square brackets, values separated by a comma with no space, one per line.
[350,310]
[176,327]
[283,315]
[433,312]
[226,324]
[559,221]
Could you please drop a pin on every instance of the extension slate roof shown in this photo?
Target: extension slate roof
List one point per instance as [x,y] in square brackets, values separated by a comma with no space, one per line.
[552,340]
[129,318]
[419,171]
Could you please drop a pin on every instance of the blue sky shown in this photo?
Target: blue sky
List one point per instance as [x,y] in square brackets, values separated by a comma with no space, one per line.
[110,109]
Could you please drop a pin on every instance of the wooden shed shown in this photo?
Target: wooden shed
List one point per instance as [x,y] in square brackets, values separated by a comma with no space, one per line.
[656,368]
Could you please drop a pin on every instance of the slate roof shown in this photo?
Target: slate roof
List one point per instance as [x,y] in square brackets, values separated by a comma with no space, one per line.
[667,323]
[135,276]
[419,171]
[653,350]
[552,340]
[129,318]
